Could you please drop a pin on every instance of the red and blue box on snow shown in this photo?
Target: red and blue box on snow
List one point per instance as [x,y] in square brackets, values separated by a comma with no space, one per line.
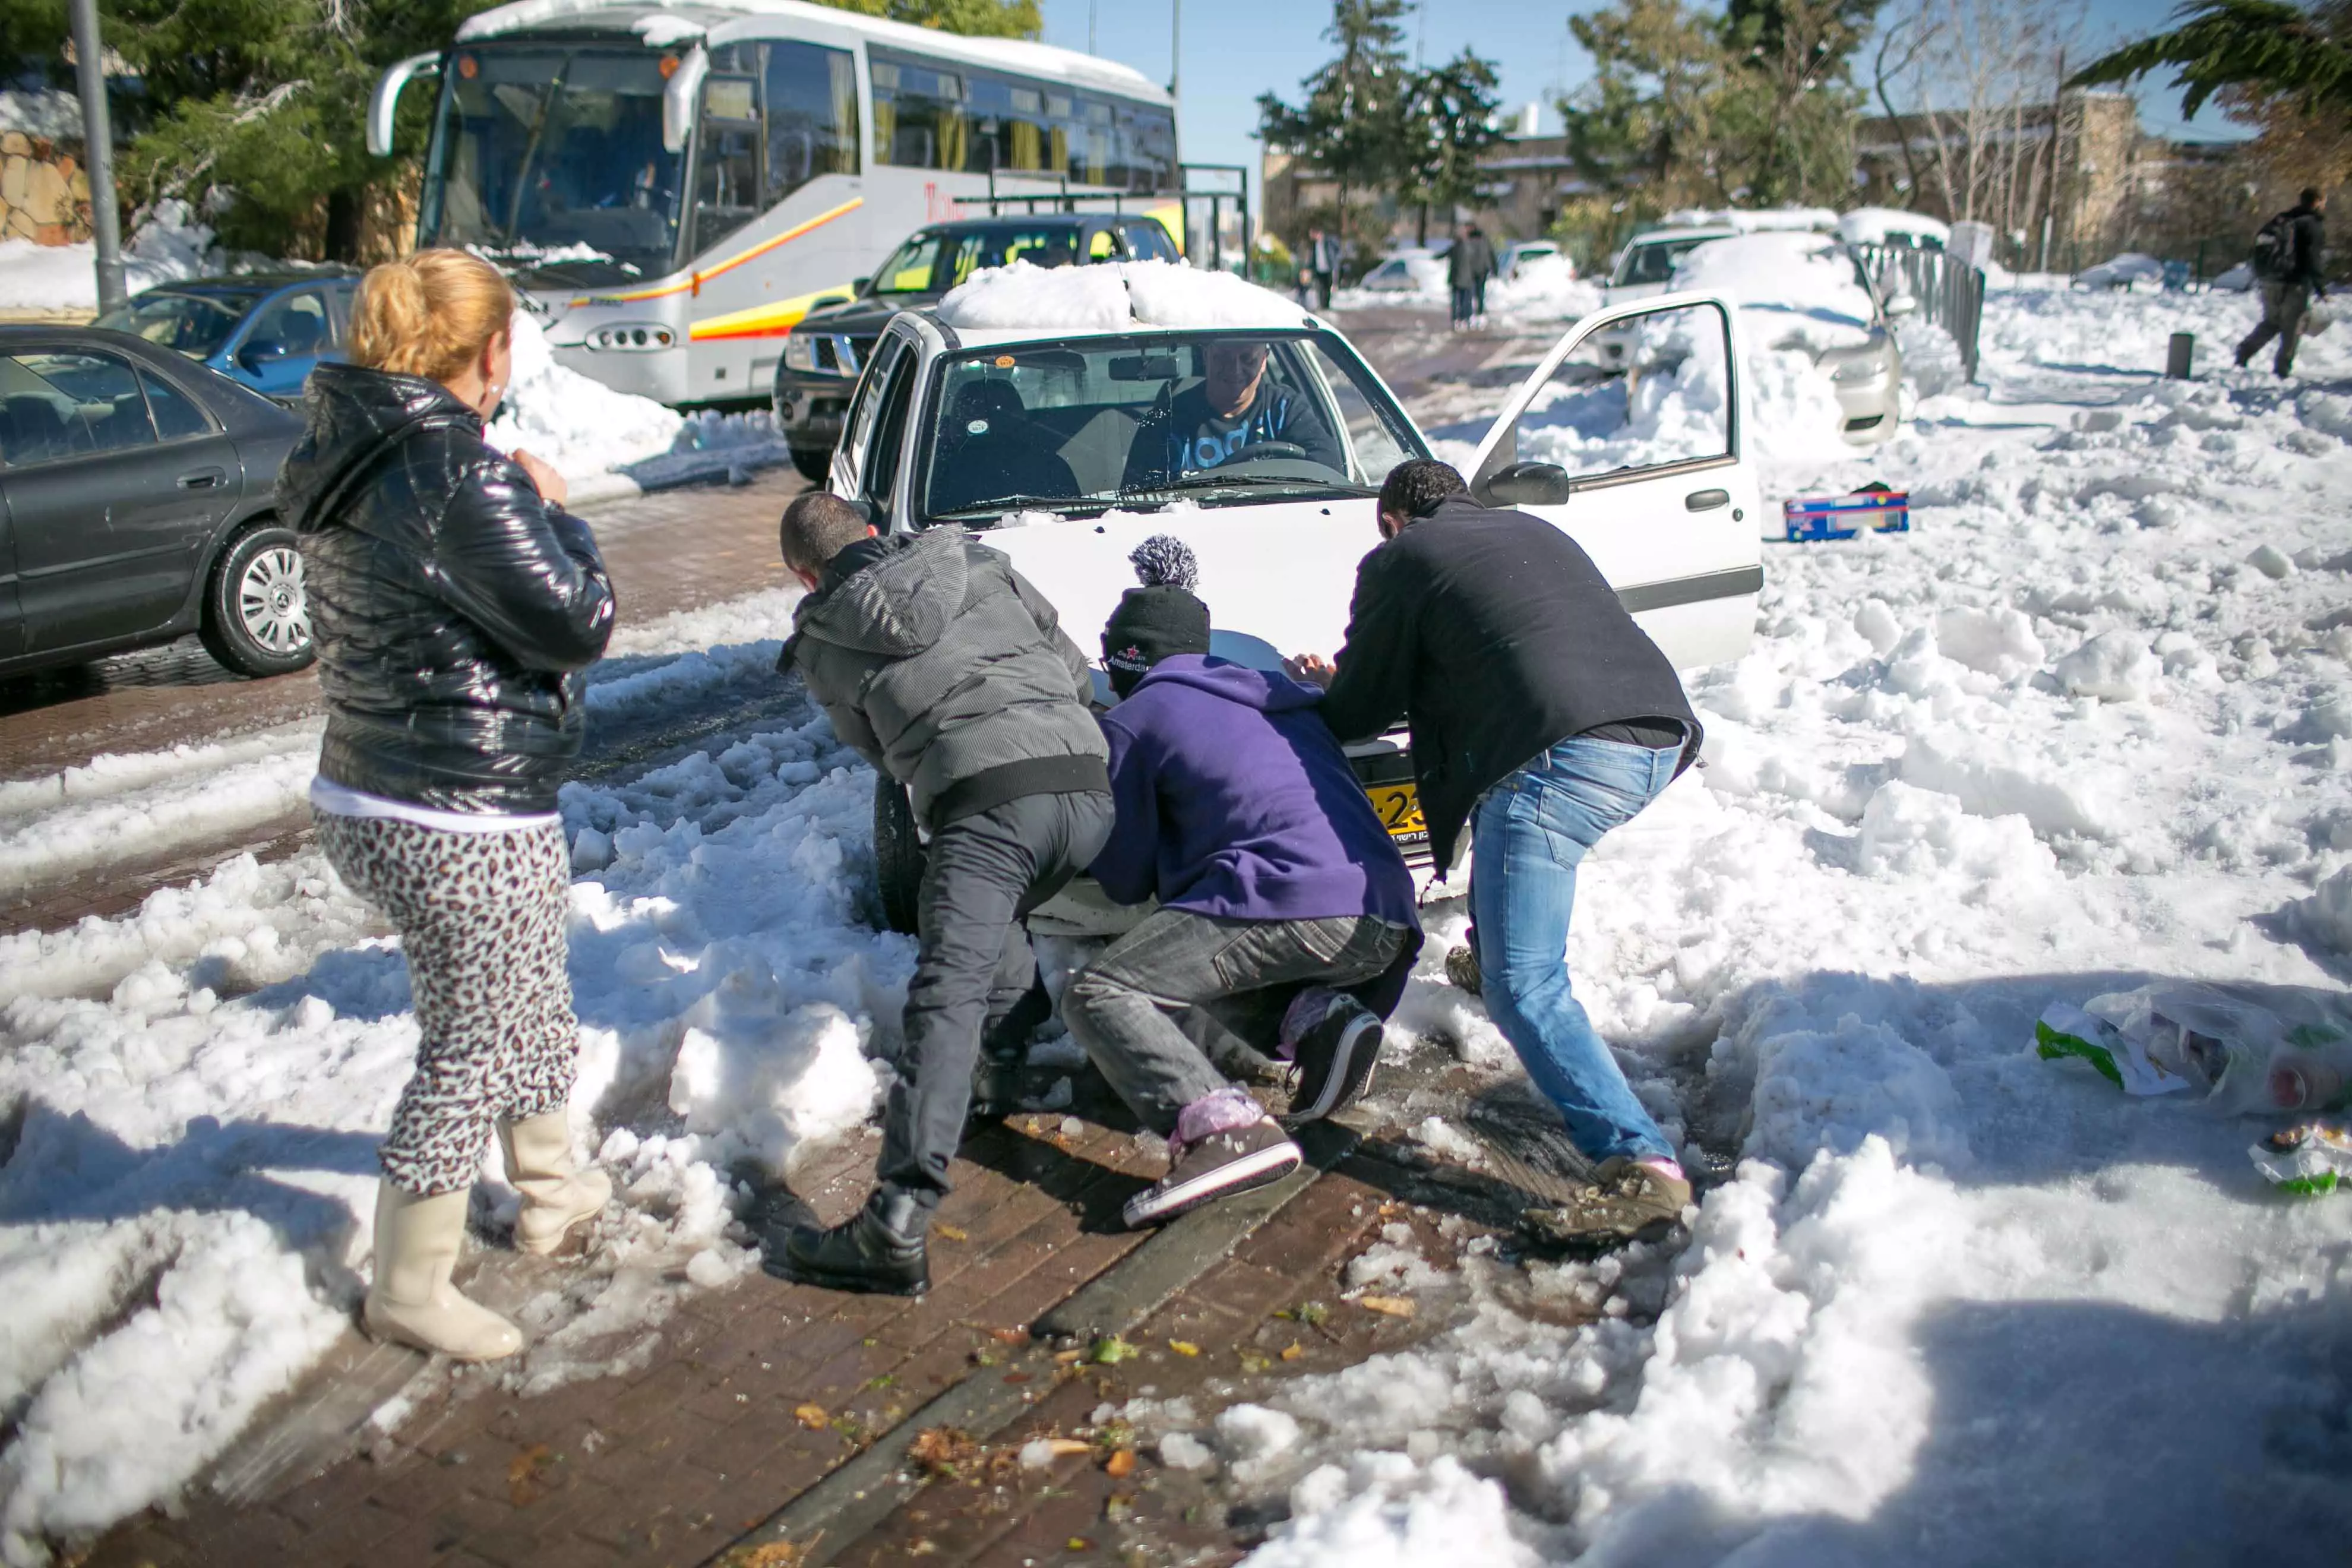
[1812,518]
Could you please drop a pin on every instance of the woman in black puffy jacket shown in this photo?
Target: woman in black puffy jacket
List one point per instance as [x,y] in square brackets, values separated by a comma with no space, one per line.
[455,603]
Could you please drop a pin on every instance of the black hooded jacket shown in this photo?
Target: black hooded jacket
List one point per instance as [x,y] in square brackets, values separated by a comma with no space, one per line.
[452,607]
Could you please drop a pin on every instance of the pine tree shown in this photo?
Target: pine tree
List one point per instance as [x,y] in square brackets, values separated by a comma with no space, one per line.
[1351,126]
[1450,124]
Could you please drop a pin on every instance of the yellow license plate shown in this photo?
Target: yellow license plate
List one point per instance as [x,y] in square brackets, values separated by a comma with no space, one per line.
[1399,808]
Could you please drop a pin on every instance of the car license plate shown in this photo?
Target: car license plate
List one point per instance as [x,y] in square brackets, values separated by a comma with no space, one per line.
[1399,808]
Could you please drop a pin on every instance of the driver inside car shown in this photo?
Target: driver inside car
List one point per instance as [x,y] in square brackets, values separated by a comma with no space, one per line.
[1235,410]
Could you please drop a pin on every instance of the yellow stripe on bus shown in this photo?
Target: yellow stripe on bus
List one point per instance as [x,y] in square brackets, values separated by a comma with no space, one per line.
[765,320]
[694,282]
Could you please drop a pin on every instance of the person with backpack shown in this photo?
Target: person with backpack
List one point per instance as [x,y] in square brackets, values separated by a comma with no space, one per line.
[948,672]
[1468,266]
[1285,911]
[2289,252]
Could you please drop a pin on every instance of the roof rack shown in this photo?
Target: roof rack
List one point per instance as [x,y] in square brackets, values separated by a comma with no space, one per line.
[1063,199]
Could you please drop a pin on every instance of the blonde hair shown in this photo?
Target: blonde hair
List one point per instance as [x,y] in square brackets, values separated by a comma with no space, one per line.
[429,314]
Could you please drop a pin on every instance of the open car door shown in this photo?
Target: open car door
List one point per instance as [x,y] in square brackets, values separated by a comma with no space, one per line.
[1645,469]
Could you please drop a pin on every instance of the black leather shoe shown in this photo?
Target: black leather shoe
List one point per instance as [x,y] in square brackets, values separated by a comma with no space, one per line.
[878,1250]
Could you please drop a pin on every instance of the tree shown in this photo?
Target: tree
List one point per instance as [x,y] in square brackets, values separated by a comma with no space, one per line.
[1450,123]
[2271,47]
[1351,124]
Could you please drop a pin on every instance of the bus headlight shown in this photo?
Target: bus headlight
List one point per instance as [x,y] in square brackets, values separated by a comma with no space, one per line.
[633,337]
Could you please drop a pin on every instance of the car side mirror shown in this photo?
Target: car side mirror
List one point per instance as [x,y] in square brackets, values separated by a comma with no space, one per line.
[1901,306]
[860,284]
[1529,484]
[260,353]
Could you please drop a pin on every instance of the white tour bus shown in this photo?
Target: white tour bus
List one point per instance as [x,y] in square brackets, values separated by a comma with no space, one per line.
[672,186]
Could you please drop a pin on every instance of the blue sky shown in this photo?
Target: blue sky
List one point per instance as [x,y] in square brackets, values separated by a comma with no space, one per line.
[1236,49]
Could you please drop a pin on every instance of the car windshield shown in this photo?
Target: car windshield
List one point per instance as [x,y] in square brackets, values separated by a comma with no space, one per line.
[195,325]
[934,262]
[1216,417]
[1653,262]
[552,158]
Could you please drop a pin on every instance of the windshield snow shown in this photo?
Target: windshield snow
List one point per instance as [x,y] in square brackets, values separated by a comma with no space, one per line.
[1218,417]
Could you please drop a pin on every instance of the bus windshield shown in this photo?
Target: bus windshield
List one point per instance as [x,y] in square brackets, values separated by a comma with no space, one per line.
[551,158]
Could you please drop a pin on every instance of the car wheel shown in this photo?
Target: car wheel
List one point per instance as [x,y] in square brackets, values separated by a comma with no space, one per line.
[898,855]
[814,467]
[256,617]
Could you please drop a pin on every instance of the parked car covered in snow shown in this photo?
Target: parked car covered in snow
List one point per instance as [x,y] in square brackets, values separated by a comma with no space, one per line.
[136,497]
[1646,267]
[1418,269]
[1808,291]
[1069,415]
[2129,270]
[268,331]
[1519,255]
[1890,227]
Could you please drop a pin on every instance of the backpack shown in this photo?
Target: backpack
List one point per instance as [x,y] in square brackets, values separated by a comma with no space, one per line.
[2275,244]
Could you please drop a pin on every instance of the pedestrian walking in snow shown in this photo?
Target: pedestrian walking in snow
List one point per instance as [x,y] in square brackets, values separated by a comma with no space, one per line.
[455,603]
[951,674]
[1322,266]
[2290,255]
[1285,910]
[1467,262]
[1541,717]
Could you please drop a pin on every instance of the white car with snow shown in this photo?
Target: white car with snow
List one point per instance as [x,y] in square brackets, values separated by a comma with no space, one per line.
[1646,267]
[1061,415]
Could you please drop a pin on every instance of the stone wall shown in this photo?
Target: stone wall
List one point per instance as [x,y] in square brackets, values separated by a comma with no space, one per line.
[44,191]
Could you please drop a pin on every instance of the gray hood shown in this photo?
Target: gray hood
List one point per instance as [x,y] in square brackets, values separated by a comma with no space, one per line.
[897,606]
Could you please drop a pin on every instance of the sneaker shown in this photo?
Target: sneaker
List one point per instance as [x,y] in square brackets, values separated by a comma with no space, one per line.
[1334,1056]
[1627,1200]
[880,1250]
[1462,969]
[1215,1167]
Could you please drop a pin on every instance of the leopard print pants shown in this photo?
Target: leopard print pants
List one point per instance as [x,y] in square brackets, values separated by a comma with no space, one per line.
[482,918]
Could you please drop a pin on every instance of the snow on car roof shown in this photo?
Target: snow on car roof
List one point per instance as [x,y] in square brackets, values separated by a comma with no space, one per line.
[661,23]
[1664,235]
[1113,296]
[1809,276]
[1756,220]
[1867,225]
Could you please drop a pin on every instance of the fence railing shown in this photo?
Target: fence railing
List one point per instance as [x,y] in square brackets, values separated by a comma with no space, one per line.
[1949,290]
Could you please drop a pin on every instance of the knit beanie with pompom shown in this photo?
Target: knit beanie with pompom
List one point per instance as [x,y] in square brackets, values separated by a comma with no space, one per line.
[1162,618]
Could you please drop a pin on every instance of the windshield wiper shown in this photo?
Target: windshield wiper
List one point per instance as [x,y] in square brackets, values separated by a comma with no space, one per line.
[1210,477]
[1000,505]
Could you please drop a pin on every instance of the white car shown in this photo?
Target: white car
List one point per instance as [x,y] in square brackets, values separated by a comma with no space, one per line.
[1643,268]
[1520,253]
[1047,411]
[1412,271]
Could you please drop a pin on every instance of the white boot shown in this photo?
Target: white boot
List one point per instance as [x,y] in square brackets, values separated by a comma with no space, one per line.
[556,1193]
[411,1300]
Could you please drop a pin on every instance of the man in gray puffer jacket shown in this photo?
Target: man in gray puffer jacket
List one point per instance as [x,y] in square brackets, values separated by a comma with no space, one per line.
[951,675]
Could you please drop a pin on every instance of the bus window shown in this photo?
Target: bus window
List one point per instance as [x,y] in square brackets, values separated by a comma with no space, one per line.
[727,172]
[812,116]
[1008,124]
[919,114]
[1146,145]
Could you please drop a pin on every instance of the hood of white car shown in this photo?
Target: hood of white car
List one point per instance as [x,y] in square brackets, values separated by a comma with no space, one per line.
[1282,572]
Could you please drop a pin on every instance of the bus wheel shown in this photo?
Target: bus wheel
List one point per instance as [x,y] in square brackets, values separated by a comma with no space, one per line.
[814,467]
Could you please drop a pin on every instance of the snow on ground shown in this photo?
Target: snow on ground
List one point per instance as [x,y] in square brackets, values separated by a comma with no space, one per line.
[2090,723]
[64,277]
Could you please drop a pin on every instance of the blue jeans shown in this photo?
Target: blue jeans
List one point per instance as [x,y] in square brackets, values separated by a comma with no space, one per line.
[1527,835]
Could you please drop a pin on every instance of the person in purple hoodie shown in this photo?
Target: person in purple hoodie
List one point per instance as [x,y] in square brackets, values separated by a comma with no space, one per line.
[1281,897]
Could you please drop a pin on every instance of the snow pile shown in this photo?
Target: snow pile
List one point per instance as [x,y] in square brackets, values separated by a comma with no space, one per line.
[1872,226]
[1547,289]
[577,425]
[1026,298]
[169,245]
[1794,290]
[1754,220]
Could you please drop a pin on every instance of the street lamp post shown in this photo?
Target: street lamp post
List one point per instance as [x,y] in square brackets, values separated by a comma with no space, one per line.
[98,153]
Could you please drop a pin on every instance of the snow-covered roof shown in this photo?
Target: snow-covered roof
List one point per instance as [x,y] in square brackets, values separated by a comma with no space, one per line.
[1003,303]
[1870,226]
[1662,236]
[1755,220]
[1807,280]
[659,24]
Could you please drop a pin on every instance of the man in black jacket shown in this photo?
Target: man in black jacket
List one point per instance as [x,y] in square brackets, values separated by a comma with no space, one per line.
[952,675]
[1541,717]
[2288,272]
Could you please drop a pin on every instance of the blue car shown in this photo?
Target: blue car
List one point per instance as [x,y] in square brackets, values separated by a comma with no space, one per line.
[265,330]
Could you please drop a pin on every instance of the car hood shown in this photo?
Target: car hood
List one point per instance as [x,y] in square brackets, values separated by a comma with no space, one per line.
[863,318]
[1277,577]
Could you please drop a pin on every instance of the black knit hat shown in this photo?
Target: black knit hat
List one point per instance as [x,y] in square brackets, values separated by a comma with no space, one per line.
[1162,618]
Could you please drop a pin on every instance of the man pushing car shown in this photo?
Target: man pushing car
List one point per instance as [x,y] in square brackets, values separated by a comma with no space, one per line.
[1283,906]
[1542,716]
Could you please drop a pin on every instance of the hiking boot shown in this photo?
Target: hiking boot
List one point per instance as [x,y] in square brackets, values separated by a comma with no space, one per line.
[1217,1166]
[996,1083]
[1334,1055]
[1462,969]
[877,1251]
[1627,1200]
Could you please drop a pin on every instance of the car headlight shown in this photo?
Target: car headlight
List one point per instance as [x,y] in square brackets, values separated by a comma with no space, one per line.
[634,337]
[799,352]
[1869,369]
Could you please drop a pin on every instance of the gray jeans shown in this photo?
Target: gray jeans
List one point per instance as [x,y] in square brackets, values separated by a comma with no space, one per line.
[973,966]
[1179,992]
[2284,305]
